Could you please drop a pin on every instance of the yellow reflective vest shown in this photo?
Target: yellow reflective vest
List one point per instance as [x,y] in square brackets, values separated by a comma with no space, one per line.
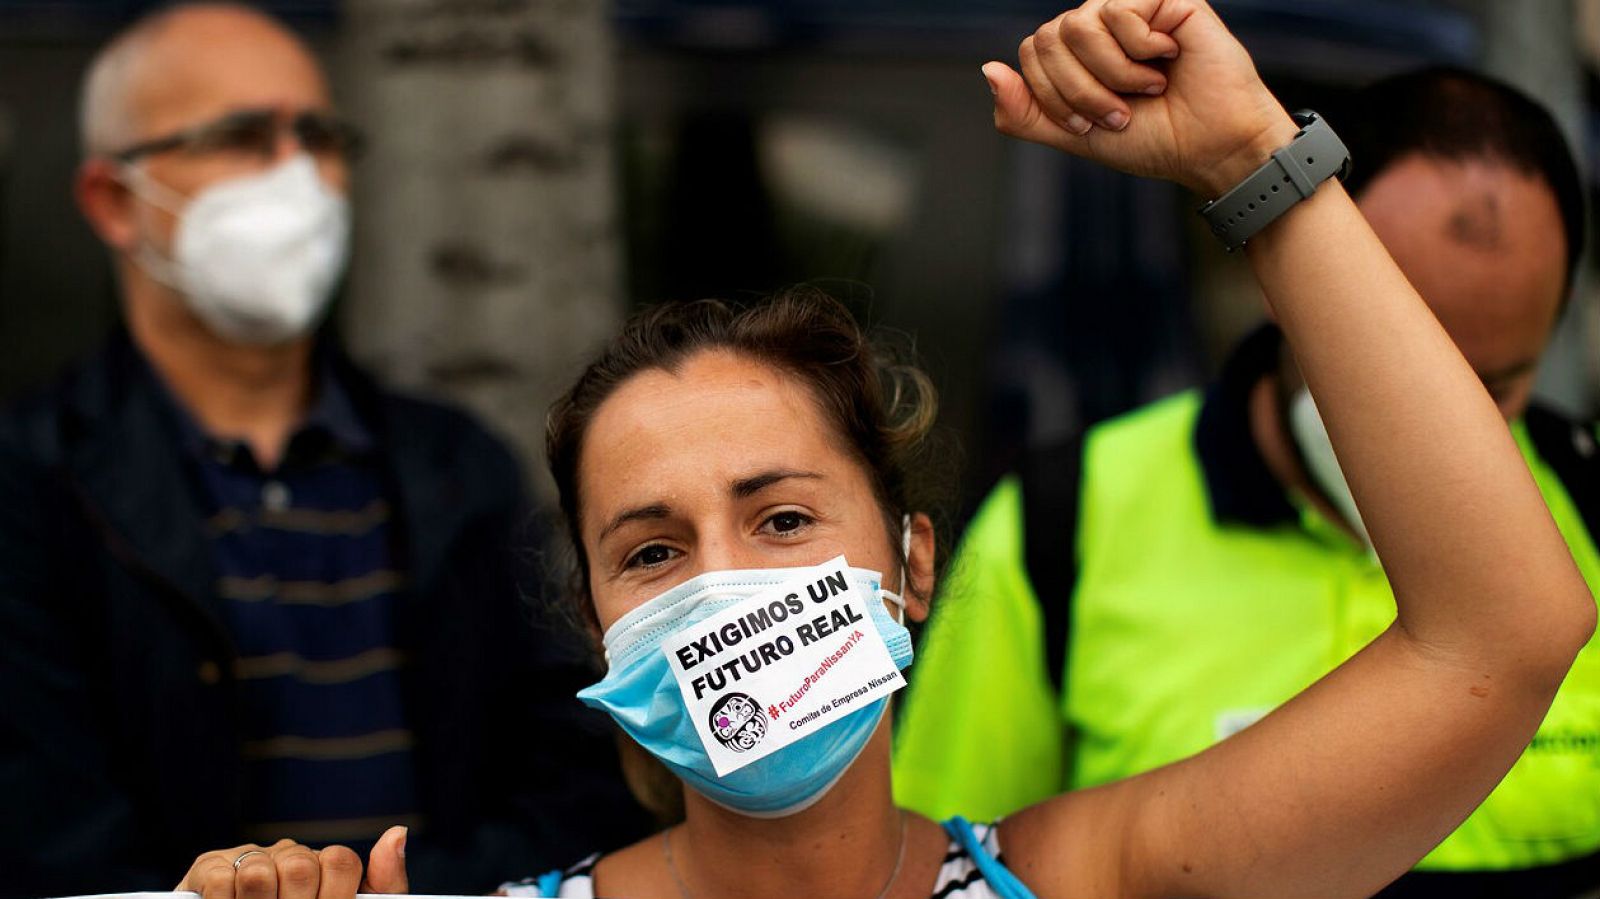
[1185,627]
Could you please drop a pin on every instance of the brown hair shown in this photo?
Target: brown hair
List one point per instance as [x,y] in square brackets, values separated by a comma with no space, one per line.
[879,403]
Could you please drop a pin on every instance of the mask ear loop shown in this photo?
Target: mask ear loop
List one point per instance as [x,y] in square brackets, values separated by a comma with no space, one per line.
[150,190]
[159,266]
[899,599]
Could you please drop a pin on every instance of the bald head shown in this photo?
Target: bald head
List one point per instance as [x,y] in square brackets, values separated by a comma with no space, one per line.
[189,64]
[1483,243]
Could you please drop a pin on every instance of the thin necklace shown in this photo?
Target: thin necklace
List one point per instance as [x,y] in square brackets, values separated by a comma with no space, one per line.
[683,888]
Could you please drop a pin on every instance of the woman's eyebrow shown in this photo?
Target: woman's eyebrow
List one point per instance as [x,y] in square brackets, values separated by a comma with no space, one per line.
[641,513]
[748,487]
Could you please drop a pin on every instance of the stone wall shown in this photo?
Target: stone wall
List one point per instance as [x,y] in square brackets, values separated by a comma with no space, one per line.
[487,262]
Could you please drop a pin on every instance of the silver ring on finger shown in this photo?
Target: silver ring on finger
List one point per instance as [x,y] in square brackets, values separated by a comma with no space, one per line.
[240,860]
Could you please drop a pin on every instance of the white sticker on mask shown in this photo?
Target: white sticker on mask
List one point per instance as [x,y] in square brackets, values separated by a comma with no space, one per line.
[781,665]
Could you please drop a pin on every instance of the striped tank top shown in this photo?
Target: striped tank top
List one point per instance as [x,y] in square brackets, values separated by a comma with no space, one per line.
[961,876]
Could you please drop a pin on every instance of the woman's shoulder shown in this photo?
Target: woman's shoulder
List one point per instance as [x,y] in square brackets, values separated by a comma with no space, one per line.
[576,882]
[974,865]
[625,869]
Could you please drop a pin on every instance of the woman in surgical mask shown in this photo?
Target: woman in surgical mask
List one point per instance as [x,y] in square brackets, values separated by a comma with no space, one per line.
[740,486]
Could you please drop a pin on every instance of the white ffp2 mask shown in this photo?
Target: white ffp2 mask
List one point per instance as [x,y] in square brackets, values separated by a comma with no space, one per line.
[1316,450]
[255,258]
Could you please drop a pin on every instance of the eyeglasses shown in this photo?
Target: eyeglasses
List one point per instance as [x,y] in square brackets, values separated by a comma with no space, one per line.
[254,132]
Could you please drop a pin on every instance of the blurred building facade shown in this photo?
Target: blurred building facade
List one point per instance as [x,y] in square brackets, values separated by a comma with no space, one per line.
[539,166]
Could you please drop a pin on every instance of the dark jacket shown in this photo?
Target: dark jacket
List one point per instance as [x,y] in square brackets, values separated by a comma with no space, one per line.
[119,747]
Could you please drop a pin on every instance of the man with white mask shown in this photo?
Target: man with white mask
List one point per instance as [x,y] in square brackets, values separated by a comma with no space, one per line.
[243,589]
[1153,586]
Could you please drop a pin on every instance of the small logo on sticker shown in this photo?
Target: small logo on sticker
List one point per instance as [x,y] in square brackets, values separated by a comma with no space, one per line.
[738,722]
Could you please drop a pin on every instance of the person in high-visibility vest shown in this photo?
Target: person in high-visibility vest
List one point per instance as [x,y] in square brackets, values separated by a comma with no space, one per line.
[1148,588]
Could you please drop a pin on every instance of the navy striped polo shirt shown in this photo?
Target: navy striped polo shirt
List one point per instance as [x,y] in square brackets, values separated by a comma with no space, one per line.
[308,581]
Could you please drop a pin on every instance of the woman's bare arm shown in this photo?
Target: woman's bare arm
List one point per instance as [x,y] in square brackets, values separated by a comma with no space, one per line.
[1348,785]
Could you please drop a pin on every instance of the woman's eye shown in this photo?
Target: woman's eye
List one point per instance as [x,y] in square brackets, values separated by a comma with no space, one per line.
[650,556]
[787,522]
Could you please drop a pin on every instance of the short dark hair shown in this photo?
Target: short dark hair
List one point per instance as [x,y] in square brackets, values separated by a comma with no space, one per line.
[1456,114]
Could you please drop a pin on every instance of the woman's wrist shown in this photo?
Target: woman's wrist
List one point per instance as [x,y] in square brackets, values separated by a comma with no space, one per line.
[1222,176]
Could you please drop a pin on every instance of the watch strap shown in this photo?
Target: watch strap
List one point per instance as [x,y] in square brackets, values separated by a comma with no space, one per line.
[1293,173]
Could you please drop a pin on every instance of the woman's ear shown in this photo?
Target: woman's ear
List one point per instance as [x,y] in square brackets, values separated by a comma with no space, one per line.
[920,566]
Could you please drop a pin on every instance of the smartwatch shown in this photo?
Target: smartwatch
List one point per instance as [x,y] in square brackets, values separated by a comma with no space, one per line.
[1292,174]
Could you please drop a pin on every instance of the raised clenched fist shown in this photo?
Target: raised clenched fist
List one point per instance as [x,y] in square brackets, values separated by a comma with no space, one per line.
[1158,88]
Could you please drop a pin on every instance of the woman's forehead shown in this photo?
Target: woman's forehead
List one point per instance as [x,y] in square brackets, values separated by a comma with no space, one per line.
[713,420]
[712,392]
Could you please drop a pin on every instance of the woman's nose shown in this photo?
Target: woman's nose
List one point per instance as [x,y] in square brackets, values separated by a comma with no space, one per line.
[721,552]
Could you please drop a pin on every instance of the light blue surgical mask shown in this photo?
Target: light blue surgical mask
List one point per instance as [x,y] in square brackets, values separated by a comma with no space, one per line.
[640,693]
